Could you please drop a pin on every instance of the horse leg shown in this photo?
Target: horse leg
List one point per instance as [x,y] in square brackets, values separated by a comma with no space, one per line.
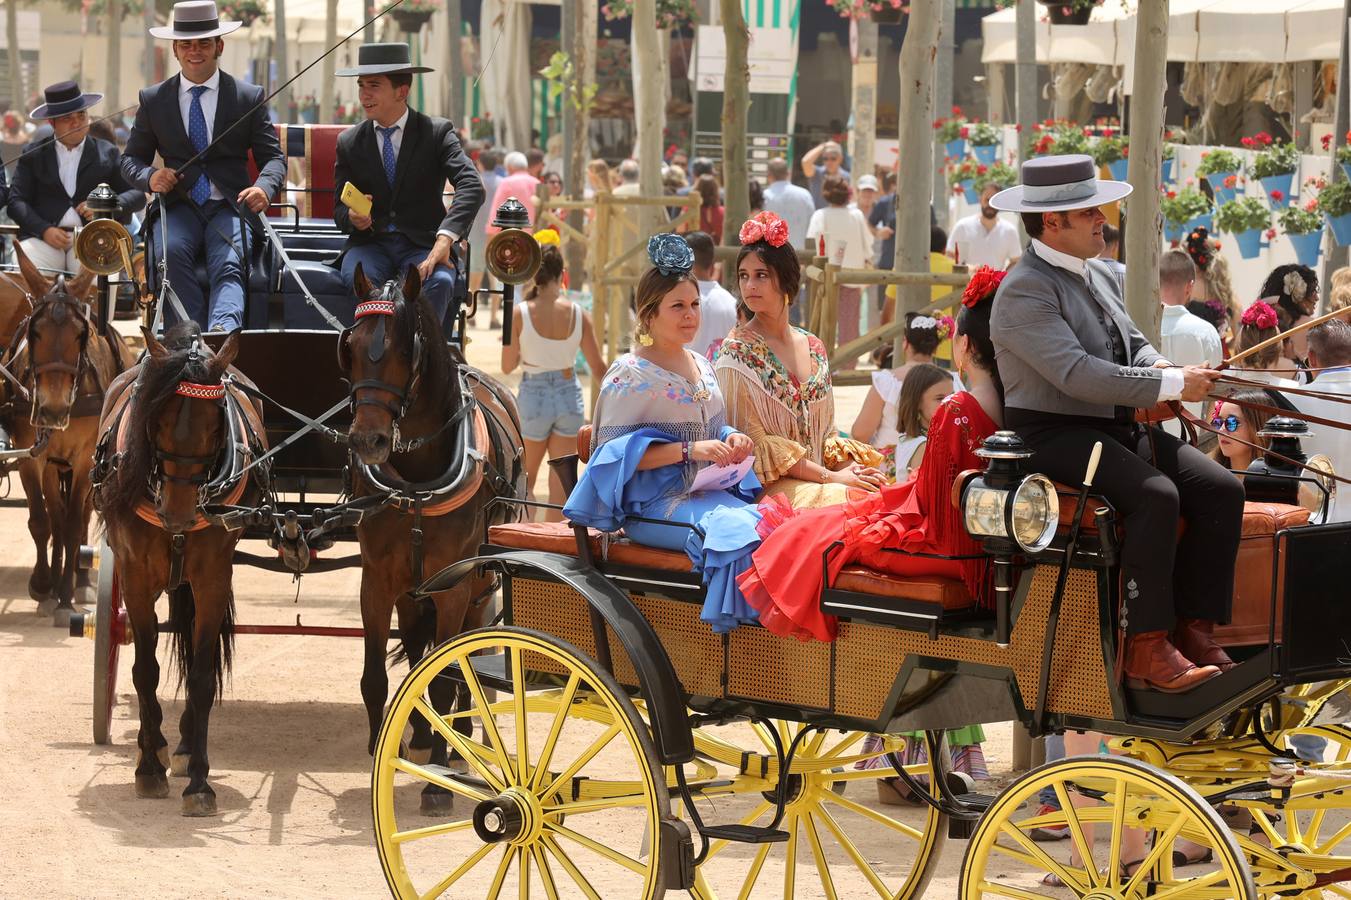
[375,614]
[152,758]
[56,492]
[75,490]
[212,600]
[84,584]
[417,629]
[40,527]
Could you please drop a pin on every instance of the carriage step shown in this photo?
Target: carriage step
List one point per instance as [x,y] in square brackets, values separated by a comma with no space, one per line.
[962,829]
[745,834]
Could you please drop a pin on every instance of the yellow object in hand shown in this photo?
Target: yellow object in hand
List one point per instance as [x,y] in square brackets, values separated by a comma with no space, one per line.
[355,200]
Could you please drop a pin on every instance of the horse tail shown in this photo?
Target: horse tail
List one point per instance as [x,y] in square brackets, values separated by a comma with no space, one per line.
[183,615]
[419,632]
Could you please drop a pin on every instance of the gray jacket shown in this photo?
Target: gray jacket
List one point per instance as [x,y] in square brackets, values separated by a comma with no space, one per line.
[1053,346]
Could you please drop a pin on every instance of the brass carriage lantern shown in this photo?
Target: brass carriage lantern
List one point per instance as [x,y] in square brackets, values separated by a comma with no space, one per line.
[104,246]
[1275,476]
[512,256]
[1011,512]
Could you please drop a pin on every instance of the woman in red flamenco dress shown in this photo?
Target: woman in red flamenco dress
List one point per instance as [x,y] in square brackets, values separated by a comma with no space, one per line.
[784,581]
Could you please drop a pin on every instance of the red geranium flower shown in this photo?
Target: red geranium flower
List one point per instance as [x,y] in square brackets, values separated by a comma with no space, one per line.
[1278,196]
[956,110]
[982,285]
[981,170]
[1327,141]
[1172,195]
[1260,315]
[1231,181]
[938,123]
[1247,142]
[1311,206]
[1271,234]
[1018,128]
[965,132]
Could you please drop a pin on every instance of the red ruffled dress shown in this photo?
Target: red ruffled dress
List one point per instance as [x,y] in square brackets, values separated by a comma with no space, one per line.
[786,575]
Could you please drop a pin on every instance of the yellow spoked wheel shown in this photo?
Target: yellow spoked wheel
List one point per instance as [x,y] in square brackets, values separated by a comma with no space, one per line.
[842,840]
[1125,820]
[561,793]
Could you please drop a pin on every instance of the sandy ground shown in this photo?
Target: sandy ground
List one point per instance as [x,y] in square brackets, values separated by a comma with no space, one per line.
[288,748]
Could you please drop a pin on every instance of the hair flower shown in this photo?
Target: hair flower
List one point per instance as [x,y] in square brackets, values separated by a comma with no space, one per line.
[1295,285]
[670,254]
[1260,315]
[547,236]
[982,286]
[764,226]
[946,327]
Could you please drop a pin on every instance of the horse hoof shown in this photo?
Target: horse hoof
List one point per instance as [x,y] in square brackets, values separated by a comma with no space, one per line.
[437,804]
[457,764]
[198,806]
[40,593]
[418,756]
[47,606]
[178,765]
[61,616]
[85,595]
[152,787]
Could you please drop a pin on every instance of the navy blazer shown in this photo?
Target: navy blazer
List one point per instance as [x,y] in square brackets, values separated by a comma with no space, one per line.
[38,200]
[159,129]
[429,155]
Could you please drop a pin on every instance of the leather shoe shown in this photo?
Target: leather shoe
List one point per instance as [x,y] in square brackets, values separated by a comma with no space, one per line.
[1195,639]
[1153,663]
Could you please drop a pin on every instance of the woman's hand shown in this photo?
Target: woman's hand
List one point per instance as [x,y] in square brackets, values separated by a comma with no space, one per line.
[741,445]
[718,452]
[858,476]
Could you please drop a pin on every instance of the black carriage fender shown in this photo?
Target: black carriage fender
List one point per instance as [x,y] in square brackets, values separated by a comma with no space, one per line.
[665,696]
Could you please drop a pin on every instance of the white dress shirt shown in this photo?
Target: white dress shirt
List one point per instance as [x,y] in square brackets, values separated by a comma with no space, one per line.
[67,167]
[1188,340]
[794,205]
[209,98]
[1172,382]
[717,316]
[1334,442]
[974,246]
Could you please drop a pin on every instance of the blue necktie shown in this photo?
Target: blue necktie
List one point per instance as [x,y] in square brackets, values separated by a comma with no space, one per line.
[201,189]
[387,152]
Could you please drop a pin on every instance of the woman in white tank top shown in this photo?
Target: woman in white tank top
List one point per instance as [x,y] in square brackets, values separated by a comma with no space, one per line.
[547,332]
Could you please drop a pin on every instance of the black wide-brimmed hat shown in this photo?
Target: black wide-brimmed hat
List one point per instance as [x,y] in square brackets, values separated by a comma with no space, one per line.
[382,59]
[193,19]
[64,98]
[1059,184]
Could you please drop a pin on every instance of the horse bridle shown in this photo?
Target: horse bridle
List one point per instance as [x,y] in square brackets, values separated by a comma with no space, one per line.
[189,390]
[375,352]
[58,295]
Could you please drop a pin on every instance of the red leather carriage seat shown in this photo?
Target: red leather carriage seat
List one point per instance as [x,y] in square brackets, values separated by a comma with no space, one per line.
[314,149]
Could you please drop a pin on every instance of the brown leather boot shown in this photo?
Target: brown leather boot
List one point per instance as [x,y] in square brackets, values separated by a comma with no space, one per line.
[1153,663]
[1195,639]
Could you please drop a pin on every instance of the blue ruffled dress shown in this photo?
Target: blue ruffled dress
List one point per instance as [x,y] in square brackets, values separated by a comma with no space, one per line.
[641,405]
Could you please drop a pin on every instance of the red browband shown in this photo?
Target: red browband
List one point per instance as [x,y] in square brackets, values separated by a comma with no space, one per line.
[200,391]
[375,308]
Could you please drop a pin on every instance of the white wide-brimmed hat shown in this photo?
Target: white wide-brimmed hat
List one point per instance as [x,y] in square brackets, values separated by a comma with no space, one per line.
[193,19]
[1059,184]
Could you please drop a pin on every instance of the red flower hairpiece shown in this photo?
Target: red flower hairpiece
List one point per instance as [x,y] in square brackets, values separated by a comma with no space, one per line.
[764,226]
[1260,315]
[982,286]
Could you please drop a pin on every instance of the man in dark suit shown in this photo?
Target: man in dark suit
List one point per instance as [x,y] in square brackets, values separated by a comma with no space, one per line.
[401,160]
[204,202]
[53,178]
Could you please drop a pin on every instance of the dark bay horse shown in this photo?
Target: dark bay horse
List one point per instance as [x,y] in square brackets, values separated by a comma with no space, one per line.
[66,358]
[418,410]
[177,436]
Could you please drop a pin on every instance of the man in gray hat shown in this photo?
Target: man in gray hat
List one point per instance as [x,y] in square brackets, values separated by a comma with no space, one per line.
[204,202]
[401,160]
[53,178]
[1075,369]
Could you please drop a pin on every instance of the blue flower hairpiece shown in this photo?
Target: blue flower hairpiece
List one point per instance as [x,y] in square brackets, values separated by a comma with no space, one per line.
[670,254]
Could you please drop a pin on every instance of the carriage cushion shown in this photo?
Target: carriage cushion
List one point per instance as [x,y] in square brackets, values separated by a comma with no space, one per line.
[1250,619]
[558,537]
[325,282]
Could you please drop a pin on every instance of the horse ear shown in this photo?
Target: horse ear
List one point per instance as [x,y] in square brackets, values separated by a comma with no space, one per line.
[158,352]
[412,284]
[224,356]
[37,285]
[360,284]
[79,286]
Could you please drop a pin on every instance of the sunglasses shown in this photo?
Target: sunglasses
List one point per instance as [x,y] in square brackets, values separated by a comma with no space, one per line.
[1228,423]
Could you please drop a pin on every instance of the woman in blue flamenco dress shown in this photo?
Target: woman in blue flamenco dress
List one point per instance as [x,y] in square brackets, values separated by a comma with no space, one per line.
[658,421]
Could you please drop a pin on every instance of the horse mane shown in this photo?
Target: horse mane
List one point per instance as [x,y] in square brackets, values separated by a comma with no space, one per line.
[156,383]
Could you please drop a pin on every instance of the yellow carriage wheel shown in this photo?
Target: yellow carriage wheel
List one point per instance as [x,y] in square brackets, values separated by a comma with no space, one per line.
[1100,799]
[842,841]
[561,794]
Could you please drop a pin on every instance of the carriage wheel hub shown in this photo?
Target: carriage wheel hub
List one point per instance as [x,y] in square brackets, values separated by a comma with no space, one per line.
[512,817]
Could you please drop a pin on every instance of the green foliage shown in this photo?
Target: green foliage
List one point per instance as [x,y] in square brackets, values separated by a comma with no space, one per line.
[1278,159]
[1335,199]
[562,77]
[1180,207]
[981,134]
[1214,162]
[1111,148]
[1000,175]
[1243,214]
[1297,219]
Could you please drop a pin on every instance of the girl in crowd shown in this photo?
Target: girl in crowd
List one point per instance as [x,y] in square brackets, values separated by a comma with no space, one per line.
[545,338]
[1212,283]
[924,389]
[1295,292]
[658,421]
[776,381]
[839,224]
[1258,323]
[711,212]
[1239,423]
[785,579]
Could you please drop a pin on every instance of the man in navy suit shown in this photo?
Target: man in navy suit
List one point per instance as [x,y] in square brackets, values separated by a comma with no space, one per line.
[53,178]
[204,202]
[401,160]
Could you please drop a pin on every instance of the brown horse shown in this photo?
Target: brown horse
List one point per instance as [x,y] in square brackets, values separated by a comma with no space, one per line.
[418,411]
[177,436]
[66,358]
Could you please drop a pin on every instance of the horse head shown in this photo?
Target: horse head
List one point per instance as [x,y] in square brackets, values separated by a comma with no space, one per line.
[57,335]
[180,410]
[382,355]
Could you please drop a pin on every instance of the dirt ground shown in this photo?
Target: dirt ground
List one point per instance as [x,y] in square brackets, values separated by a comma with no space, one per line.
[288,749]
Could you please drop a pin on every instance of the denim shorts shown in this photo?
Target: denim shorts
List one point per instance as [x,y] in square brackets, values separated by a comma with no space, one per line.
[550,403]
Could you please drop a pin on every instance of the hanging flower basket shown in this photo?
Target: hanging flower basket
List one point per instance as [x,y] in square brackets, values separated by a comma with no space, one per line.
[1069,12]
[886,14]
[410,22]
[1249,243]
[246,11]
[1307,247]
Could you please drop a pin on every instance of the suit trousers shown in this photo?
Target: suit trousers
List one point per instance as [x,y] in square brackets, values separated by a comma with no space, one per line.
[1163,577]
[45,256]
[389,256]
[212,231]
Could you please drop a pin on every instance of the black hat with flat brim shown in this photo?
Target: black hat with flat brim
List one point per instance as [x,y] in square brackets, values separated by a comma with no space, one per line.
[1059,184]
[64,98]
[382,59]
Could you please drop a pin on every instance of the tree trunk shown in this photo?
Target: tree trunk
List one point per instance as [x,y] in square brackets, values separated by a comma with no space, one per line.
[863,136]
[455,64]
[1146,159]
[112,80]
[148,72]
[943,67]
[283,100]
[1336,256]
[649,96]
[580,28]
[736,95]
[18,94]
[327,101]
[916,149]
[1025,72]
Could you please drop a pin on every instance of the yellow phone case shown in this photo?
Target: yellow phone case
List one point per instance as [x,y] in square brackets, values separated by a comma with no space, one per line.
[355,200]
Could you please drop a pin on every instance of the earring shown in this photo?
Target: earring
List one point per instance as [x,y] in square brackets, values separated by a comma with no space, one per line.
[787,300]
[645,339]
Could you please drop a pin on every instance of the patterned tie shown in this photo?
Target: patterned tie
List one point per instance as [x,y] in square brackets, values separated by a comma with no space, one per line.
[387,151]
[201,189]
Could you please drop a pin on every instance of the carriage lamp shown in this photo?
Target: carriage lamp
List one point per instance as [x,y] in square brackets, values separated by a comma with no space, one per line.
[104,245]
[1010,512]
[1275,477]
[512,256]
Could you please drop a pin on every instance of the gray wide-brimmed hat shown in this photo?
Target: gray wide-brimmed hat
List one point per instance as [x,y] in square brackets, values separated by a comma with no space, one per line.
[193,19]
[382,59]
[1059,184]
[63,98]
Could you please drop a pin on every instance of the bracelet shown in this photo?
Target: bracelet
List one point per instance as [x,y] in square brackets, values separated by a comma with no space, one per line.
[684,452]
[825,475]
